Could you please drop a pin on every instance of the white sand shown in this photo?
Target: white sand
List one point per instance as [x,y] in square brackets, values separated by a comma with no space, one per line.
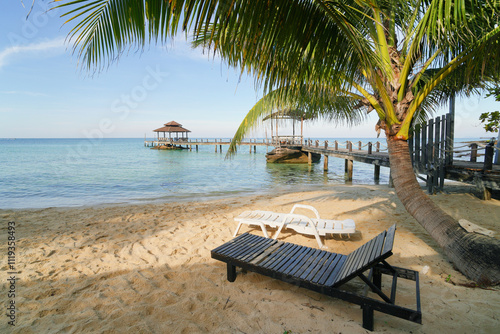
[147,269]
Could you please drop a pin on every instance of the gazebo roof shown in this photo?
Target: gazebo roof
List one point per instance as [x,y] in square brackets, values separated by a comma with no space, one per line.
[172,127]
[173,123]
[296,114]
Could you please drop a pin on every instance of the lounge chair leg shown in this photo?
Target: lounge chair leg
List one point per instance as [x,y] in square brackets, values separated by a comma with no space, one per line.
[377,278]
[367,317]
[231,272]
[263,227]
[237,229]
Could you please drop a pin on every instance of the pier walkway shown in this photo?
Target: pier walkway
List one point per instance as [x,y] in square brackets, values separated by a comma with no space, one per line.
[370,153]
[427,164]
[433,160]
[217,143]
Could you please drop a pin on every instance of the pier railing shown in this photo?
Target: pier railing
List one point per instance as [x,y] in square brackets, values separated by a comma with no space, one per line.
[475,150]
[423,147]
[207,141]
[350,146]
[287,140]
[434,155]
[217,142]
[365,152]
[431,146]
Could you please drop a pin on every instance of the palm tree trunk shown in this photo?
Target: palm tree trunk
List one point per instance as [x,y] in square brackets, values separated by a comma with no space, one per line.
[475,255]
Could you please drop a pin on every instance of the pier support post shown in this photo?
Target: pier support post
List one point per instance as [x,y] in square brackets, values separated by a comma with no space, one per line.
[325,163]
[488,157]
[196,148]
[255,149]
[215,148]
[473,153]
[220,148]
[349,164]
[376,174]
[309,158]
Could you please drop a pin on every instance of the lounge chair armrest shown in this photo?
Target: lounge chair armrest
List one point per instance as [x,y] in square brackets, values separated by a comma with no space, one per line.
[304,206]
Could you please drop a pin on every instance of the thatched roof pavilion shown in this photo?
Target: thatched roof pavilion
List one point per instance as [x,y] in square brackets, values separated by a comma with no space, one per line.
[172,127]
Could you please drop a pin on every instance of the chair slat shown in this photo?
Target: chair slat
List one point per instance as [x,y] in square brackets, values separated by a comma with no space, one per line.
[332,277]
[271,261]
[355,258]
[389,240]
[237,247]
[315,275]
[296,261]
[265,255]
[316,263]
[257,250]
[283,259]
[304,263]
[371,253]
[231,243]
[250,249]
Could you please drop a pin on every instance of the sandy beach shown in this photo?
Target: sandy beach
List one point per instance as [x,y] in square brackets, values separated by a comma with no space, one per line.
[147,268]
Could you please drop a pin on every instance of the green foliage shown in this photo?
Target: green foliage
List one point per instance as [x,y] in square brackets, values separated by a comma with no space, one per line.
[401,58]
[491,121]
[494,91]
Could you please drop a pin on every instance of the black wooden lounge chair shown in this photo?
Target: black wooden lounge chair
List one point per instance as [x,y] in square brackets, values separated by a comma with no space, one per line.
[325,272]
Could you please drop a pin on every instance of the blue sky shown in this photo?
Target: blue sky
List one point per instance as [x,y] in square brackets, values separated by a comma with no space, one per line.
[45,94]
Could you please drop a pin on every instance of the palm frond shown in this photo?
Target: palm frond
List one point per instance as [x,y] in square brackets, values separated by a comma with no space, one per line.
[326,105]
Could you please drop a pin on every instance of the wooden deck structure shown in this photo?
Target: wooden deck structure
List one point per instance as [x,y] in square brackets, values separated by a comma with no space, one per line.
[217,143]
[434,155]
[372,155]
[431,147]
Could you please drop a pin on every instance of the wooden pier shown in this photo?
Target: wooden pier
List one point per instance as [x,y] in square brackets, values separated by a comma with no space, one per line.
[217,143]
[350,152]
[431,149]
[434,156]
[430,165]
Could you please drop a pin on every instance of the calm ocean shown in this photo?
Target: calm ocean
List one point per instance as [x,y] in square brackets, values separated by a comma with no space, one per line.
[39,173]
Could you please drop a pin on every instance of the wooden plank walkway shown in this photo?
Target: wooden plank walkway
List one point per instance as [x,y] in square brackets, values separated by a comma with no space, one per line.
[210,141]
[217,143]
[429,148]
[364,156]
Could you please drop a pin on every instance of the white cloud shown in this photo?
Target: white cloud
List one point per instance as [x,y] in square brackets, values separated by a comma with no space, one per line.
[34,48]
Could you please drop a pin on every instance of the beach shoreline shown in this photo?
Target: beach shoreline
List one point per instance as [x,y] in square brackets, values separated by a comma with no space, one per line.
[146,268]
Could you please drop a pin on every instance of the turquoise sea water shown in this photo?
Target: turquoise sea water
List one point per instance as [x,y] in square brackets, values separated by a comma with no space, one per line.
[39,173]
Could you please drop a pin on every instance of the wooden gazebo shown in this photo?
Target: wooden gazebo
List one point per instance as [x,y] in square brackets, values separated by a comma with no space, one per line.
[282,115]
[172,127]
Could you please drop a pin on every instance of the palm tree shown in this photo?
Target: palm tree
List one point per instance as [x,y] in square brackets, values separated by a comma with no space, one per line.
[335,59]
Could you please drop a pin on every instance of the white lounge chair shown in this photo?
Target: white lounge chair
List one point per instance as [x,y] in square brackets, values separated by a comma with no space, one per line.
[299,223]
